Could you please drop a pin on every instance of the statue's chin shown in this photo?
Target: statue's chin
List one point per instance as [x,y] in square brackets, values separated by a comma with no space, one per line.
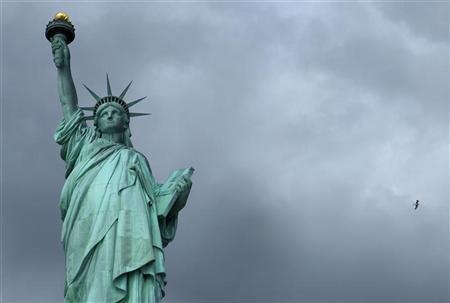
[110,130]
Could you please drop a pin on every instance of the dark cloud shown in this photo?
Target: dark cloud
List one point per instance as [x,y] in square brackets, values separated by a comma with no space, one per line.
[312,127]
[427,20]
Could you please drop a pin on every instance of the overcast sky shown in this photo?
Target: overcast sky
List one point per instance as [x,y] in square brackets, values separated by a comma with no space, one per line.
[313,127]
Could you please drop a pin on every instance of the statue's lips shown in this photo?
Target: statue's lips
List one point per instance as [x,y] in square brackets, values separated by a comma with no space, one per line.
[110,123]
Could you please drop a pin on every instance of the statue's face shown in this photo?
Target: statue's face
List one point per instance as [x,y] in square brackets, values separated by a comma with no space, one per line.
[111,119]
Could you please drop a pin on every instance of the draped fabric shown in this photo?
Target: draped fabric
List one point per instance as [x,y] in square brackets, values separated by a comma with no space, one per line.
[112,239]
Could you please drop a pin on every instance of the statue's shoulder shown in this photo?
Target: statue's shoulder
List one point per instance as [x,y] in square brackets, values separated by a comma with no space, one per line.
[141,159]
[140,155]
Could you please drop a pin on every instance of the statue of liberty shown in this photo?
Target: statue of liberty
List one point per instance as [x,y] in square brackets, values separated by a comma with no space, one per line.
[117,218]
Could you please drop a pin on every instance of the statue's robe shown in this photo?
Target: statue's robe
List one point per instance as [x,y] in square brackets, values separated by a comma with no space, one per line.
[112,237]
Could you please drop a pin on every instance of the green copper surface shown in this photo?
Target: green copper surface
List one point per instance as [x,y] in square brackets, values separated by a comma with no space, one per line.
[117,218]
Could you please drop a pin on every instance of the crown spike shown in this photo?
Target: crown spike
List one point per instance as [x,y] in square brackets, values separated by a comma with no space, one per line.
[108,86]
[92,93]
[130,104]
[125,90]
[139,114]
[91,108]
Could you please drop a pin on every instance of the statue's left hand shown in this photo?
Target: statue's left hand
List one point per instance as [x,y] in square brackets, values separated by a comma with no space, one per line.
[183,183]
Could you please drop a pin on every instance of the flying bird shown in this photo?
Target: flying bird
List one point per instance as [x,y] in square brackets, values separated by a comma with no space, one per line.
[416,205]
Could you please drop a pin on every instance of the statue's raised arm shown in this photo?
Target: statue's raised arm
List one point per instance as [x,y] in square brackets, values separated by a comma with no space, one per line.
[60,32]
[66,87]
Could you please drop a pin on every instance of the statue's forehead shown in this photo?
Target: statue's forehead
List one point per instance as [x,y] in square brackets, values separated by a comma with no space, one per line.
[108,105]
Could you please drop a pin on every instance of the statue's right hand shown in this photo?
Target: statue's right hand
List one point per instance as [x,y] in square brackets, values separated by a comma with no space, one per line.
[61,54]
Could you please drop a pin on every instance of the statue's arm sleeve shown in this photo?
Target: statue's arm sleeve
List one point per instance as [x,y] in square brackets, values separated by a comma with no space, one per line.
[72,134]
[168,228]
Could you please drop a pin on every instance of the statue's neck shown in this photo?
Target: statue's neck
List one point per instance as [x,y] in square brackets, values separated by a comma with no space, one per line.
[114,137]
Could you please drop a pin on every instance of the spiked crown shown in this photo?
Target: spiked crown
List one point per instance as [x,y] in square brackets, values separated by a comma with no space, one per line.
[112,99]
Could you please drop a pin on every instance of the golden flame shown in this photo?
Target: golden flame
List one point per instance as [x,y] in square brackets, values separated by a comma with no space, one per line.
[61,16]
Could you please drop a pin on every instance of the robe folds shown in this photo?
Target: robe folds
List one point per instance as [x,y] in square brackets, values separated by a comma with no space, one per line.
[112,238]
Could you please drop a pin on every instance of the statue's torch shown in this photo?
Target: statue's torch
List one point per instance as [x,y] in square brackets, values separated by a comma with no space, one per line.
[62,27]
